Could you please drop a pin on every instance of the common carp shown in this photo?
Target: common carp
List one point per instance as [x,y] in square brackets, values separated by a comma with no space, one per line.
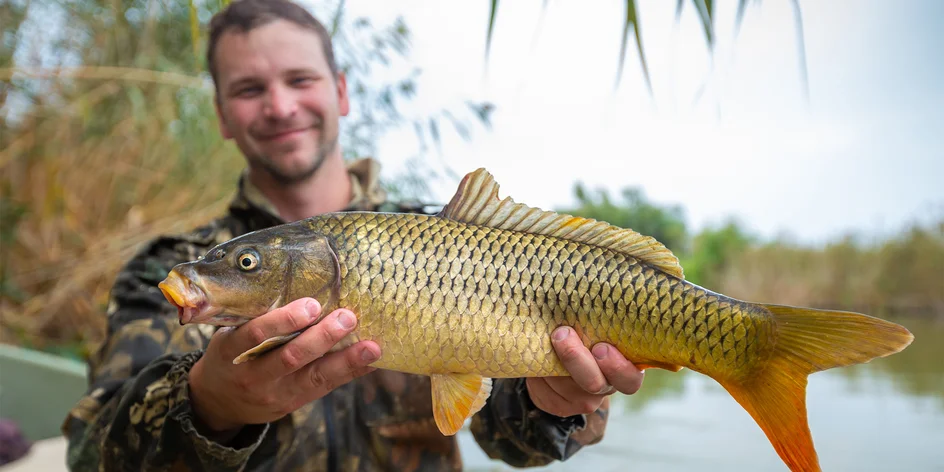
[474,292]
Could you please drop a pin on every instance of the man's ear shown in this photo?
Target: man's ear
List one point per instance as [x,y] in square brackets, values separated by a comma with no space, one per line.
[344,104]
[224,130]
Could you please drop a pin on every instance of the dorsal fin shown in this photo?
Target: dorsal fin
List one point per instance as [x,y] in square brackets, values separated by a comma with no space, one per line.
[476,202]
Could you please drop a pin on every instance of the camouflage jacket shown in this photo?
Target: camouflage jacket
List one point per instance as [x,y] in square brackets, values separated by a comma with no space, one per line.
[136,414]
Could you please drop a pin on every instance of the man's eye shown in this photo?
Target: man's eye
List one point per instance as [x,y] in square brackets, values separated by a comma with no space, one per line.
[247,261]
[248,91]
[302,80]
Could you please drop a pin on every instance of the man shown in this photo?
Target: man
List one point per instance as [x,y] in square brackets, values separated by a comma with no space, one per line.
[163,396]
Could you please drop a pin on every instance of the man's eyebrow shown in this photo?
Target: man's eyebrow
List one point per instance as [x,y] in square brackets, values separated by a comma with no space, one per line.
[241,82]
[302,71]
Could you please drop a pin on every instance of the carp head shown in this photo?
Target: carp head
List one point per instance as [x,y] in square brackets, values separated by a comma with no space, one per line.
[253,274]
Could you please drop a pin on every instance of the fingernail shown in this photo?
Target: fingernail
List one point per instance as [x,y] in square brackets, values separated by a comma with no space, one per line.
[561,333]
[313,308]
[346,320]
[368,355]
[599,351]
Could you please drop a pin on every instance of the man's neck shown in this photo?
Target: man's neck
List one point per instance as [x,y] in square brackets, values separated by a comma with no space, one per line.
[328,190]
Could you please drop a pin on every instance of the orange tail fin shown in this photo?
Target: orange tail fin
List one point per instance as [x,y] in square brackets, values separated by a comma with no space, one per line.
[808,341]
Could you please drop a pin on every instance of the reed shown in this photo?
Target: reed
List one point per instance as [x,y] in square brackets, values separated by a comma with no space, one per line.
[87,182]
[903,275]
[108,137]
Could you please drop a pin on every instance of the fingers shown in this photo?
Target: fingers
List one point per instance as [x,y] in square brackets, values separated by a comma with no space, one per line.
[310,346]
[335,369]
[580,401]
[621,373]
[545,398]
[578,361]
[288,319]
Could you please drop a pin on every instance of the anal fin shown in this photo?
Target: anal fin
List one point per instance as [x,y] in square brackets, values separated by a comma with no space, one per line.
[456,397]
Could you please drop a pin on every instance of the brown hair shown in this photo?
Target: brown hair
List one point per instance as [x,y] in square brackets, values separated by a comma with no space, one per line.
[244,15]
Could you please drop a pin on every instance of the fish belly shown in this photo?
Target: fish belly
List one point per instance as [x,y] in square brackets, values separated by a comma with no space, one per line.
[445,297]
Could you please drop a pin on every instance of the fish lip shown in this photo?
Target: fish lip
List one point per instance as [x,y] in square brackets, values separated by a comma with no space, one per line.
[191,300]
[172,288]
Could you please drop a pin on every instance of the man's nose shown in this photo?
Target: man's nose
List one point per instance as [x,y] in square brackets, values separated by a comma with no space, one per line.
[279,104]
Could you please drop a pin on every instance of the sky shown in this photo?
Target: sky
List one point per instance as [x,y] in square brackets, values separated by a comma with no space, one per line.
[728,133]
[862,154]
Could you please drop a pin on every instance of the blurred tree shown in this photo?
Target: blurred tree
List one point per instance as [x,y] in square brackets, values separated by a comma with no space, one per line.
[714,251]
[109,137]
[911,270]
[664,223]
[115,40]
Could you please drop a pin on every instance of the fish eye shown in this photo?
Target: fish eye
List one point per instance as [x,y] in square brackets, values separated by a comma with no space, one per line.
[248,260]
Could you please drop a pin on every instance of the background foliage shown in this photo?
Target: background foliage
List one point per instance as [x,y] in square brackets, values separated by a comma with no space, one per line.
[108,138]
[900,275]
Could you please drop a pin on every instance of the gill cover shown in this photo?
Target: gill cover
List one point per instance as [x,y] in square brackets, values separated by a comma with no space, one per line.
[313,270]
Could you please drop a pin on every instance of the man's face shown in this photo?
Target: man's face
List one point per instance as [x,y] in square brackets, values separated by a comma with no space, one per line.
[278,99]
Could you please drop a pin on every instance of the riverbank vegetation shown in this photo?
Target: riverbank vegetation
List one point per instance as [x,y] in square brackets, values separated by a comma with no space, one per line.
[899,275]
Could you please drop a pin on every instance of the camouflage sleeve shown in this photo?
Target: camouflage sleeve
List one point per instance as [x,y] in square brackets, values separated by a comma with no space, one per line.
[136,414]
[512,429]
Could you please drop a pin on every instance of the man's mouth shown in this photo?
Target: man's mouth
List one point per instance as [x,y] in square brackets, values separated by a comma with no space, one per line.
[283,135]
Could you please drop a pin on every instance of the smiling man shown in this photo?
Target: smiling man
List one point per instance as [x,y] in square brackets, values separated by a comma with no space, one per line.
[165,396]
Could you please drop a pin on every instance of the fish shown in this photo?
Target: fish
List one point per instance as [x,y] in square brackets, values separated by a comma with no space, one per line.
[473,292]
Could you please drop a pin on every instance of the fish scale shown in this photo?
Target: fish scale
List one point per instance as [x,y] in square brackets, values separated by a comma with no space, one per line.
[462,282]
[477,289]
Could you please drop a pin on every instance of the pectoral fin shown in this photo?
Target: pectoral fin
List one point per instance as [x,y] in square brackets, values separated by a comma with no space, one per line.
[264,347]
[457,397]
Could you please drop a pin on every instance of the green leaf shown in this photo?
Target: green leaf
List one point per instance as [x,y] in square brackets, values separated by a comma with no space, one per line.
[739,16]
[336,19]
[802,47]
[418,128]
[195,34]
[632,22]
[434,132]
[460,127]
[704,8]
[483,111]
[491,26]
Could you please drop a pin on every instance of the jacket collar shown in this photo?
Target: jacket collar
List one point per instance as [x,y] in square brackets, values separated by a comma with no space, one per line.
[366,195]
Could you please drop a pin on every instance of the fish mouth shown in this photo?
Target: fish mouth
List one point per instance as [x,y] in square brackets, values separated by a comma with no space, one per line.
[191,301]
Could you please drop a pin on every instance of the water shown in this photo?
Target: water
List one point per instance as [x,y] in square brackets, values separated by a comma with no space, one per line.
[885,415]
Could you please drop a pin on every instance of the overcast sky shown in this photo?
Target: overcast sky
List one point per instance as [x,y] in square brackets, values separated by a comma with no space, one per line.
[864,154]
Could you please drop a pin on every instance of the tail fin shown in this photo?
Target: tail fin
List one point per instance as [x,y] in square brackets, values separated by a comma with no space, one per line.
[808,341]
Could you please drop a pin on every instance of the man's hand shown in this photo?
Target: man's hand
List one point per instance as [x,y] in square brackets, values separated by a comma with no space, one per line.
[226,396]
[594,376]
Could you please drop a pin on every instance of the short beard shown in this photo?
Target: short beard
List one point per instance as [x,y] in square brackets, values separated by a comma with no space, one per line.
[283,177]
